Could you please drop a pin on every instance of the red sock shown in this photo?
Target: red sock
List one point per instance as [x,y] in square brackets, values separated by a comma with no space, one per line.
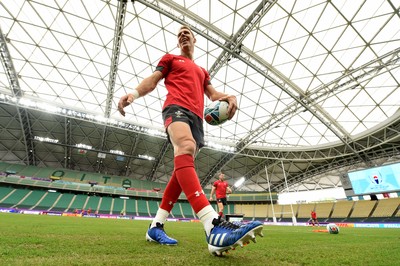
[221,214]
[189,182]
[171,194]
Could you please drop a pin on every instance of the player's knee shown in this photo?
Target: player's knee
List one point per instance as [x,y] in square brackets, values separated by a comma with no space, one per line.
[187,146]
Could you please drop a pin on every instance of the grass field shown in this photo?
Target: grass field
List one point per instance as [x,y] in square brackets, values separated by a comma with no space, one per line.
[53,240]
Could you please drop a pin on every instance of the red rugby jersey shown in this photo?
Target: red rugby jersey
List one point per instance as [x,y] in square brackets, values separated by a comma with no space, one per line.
[185,82]
[220,188]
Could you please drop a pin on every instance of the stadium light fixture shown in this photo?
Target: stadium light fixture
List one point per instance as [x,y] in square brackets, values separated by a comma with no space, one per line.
[220,147]
[83,146]
[46,139]
[118,152]
[239,182]
[49,108]
[146,157]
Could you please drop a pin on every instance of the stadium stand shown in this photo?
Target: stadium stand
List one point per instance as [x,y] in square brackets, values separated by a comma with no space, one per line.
[118,206]
[77,202]
[47,201]
[4,193]
[14,197]
[77,176]
[131,207]
[26,187]
[142,208]
[361,210]
[323,211]
[105,205]
[92,203]
[177,211]
[286,215]
[261,211]
[187,210]
[246,209]
[30,200]
[269,213]
[62,203]
[341,210]
[152,207]
[304,211]
[385,209]
[229,209]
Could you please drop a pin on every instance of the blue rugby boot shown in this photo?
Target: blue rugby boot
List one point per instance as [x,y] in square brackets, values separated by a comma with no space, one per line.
[157,234]
[225,235]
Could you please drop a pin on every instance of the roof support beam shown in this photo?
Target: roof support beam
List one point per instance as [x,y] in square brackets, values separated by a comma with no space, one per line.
[235,43]
[303,101]
[67,137]
[340,163]
[119,29]
[12,77]
[158,162]
[265,70]
[133,148]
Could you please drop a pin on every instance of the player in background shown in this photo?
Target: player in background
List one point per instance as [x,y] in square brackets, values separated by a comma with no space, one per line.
[314,218]
[183,112]
[220,188]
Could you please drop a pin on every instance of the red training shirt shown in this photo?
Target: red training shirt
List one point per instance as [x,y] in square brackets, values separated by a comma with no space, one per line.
[313,215]
[185,82]
[220,188]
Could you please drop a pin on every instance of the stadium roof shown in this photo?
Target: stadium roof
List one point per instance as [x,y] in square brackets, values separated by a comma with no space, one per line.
[317,84]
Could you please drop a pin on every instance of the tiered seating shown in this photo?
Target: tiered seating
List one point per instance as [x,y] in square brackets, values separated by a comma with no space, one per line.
[187,210]
[31,199]
[304,211]
[153,207]
[341,210]
[270,212]
[251,211]
[28,171]
[229,209]
[361,210]
[11,167]
[4,191]
[63,202]
[14,197]
[47,201]
[323,210]
[386,207]
[176,210]
[92,203]
[141,204]
[131,207]
[105,206]
[286,212]
[78,202]
[119,206]
[261,211]
[142,208]
[246,209]
[77,177]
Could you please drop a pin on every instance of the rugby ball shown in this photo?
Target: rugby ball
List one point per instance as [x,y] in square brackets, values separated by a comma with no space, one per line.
[332,228]
[216,113]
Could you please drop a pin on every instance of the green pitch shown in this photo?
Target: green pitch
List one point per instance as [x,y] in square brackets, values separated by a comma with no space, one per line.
[51,240]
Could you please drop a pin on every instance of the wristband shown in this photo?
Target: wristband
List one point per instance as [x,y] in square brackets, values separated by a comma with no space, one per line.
[135,94]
